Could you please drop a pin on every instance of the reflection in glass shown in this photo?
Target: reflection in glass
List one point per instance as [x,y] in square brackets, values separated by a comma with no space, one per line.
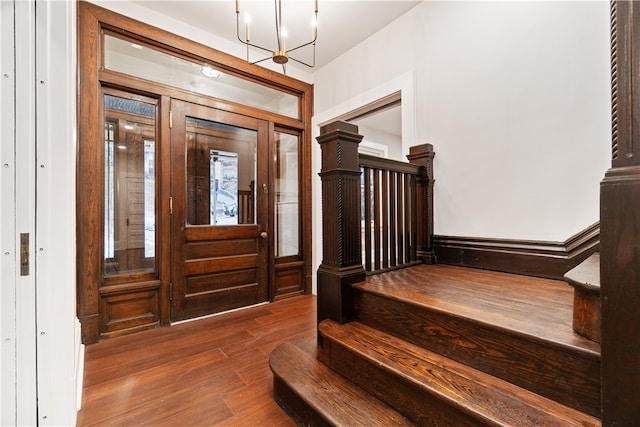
[287,196]
[221,171]
[129,186]
[151,64]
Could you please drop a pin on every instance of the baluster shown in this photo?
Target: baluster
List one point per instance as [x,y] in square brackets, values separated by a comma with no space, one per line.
[392,219]
[400,223]
[367,218]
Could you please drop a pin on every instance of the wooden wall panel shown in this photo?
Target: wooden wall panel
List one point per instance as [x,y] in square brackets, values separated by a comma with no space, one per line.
[127,309]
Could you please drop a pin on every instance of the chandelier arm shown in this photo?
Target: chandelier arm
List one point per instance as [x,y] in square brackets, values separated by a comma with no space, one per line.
[304,63]
[244,41]
[257,47]
[313,42]
[238,27]
[259,61]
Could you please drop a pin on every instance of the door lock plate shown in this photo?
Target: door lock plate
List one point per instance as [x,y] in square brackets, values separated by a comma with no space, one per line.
[24,254]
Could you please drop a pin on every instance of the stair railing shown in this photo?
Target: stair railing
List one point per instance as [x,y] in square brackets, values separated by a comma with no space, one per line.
[382,205]
[390,211]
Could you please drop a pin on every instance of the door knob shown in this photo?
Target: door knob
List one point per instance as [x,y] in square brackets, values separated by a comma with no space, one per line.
[264,234]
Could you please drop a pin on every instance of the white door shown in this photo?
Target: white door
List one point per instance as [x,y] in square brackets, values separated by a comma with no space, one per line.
[17,215]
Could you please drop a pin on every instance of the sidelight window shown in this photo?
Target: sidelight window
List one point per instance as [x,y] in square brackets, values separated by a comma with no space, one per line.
[287,209]
[130,186]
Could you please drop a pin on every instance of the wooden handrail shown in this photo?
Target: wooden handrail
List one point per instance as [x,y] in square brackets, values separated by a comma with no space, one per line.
[374,162]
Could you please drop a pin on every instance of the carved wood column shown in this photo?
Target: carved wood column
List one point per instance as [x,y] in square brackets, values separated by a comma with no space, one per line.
[423,155]
[341,245]
[620,227]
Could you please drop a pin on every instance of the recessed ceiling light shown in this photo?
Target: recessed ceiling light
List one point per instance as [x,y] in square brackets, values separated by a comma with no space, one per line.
[136,46]
[209,71]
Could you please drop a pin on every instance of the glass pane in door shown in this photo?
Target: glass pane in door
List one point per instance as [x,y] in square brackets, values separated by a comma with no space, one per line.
[221,173]
[287,195]
[129,186]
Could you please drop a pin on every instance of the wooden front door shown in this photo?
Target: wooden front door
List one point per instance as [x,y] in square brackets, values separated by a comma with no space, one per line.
[219,210]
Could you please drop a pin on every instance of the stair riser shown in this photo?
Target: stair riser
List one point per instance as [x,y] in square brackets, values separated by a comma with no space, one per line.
[569,377]
[405,397]
[297,408]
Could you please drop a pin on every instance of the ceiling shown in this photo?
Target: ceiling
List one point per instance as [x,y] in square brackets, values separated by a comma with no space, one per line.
[342,24]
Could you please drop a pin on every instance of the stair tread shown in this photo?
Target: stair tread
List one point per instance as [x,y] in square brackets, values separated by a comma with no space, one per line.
[337,399]
[479,394]
[586,275]
[503,300]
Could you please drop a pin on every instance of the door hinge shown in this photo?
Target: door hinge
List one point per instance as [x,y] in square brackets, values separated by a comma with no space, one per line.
[170,205]
[171,119]
[170,291]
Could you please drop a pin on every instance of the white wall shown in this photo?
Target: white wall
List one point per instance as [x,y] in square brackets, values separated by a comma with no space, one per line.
[392,143]
[515,98]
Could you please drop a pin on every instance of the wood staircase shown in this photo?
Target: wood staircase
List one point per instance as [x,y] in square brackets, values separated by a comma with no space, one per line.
[438,345]
[432,345]
[505,356]
[587,310]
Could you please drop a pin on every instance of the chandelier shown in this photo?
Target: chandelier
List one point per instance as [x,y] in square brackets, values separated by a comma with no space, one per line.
[281,55]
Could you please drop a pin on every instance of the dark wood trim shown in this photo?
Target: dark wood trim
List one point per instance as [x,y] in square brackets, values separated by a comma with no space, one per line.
[529,257]
[89,192]
[145,87]
[620,219]
[164,223]
[423,155]
[306,198]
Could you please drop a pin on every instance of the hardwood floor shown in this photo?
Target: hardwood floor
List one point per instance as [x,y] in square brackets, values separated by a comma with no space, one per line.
[213,371]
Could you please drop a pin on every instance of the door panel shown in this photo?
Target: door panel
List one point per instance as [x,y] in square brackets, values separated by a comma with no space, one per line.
[219,222]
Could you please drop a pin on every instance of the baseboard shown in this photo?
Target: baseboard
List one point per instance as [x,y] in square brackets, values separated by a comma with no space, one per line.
[528,257]
[79,365]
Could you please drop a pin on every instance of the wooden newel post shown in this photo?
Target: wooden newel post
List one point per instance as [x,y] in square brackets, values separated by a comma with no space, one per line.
[341,232]
[422,155]
[620,228]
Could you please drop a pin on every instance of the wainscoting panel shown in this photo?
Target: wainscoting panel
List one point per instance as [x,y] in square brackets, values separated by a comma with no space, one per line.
[529,257]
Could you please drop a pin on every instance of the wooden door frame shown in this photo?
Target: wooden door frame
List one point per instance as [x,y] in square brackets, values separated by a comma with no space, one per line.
[92,22]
